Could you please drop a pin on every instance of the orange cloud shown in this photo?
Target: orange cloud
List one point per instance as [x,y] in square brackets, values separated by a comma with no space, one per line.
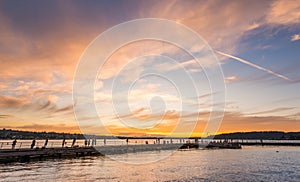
[283,12]
[47,127]
[12,102]
[221,23]
[234,121]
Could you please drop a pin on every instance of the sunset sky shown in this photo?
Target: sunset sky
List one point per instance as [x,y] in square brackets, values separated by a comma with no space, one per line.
[257,44]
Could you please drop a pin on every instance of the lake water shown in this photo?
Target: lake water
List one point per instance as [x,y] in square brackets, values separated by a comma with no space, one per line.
[252,163]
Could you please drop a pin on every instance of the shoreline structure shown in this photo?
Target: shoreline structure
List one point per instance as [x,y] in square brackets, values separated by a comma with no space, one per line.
[36,154]
[16,146]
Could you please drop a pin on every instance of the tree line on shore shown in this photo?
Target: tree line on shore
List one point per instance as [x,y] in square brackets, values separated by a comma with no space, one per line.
[264,135]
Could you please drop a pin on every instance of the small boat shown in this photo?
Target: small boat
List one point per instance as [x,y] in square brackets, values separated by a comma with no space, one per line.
[189,146]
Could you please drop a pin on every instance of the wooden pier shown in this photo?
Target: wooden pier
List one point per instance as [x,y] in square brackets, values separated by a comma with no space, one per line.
[26,155]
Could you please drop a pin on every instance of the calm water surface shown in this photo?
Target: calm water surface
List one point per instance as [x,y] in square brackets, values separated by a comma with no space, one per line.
[249,164]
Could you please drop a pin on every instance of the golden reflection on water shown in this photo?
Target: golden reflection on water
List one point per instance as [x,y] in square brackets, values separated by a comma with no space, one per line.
[250,163]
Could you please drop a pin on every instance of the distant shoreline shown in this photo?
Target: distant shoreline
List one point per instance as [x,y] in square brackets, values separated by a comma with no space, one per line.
[265,135]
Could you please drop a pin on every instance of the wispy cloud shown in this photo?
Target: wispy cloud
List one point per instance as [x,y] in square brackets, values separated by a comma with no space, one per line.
[232,122]
[230,79]
[295,37]
[236,121]
[49,127]
[253,65]
[5,116]
[273,111]
[12,102]
[283,12]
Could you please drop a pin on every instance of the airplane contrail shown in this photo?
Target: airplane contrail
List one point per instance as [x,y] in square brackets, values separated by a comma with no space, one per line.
[253,65]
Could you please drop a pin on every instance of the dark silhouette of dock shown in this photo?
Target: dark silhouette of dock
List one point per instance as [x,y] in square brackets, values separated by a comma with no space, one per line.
[26,155]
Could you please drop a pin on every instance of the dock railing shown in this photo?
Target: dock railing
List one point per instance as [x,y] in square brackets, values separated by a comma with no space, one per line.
[26,144]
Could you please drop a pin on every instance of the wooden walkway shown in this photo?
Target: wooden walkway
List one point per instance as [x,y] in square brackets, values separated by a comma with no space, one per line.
[26,155]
